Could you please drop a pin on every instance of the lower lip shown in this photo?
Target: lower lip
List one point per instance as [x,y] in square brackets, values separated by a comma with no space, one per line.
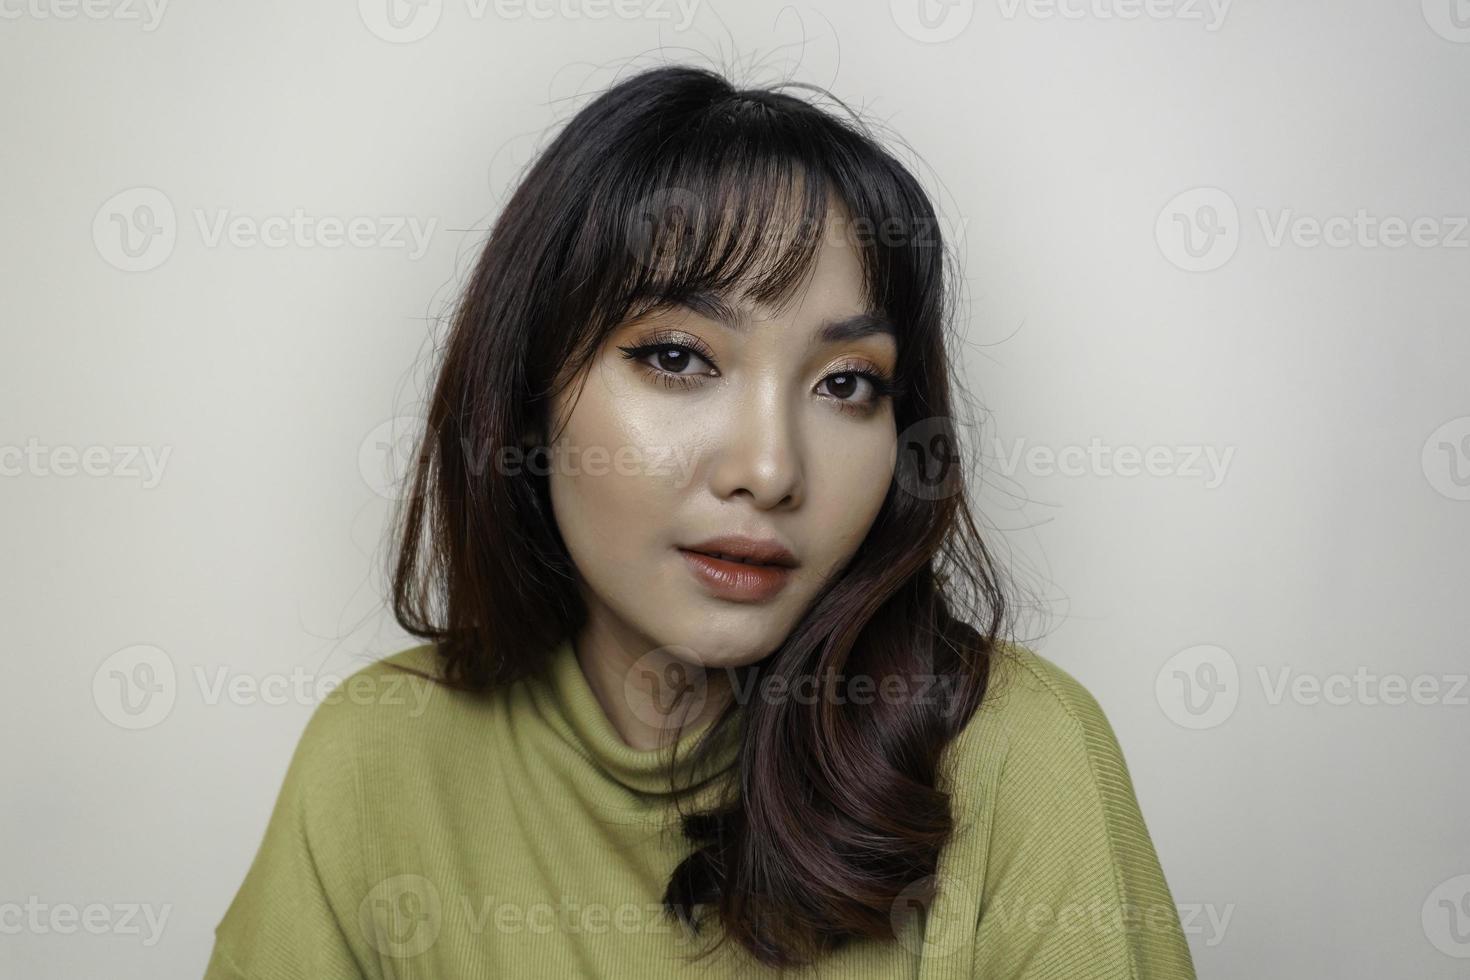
[735,580]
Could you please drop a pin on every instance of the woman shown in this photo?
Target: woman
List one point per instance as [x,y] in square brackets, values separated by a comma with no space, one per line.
[715,676]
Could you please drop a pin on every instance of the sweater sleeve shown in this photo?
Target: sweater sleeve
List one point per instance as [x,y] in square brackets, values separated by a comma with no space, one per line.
[1073,889]
[294,917]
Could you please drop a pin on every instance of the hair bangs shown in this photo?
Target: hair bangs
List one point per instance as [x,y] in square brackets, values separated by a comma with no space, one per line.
[749,221]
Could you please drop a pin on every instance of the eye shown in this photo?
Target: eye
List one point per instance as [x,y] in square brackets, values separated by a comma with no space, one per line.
[844,387]
[670,362]
[675,358]
[846,384]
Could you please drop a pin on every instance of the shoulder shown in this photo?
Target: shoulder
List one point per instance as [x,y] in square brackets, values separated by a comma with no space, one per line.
[365,732]
[380,709]
[1039,757]
[1033,705]
[398,685]
[308,874]
[1052,838]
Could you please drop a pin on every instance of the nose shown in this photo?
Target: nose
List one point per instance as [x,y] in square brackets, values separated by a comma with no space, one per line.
[759,450]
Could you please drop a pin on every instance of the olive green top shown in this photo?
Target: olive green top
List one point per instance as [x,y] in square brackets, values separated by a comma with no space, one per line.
[426,833]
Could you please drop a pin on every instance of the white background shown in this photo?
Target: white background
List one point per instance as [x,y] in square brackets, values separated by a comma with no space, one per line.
[1302,834]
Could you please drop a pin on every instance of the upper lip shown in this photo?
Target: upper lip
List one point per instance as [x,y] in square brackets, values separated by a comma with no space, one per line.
[766,552]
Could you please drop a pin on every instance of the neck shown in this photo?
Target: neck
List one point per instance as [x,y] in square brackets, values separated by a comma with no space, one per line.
[650,696]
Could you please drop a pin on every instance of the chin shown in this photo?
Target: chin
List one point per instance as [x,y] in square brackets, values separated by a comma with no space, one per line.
[714,648]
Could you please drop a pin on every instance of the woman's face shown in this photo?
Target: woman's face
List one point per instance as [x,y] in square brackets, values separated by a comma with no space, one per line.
[690,428]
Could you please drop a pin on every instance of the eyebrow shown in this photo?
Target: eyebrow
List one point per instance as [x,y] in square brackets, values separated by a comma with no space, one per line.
[714,306]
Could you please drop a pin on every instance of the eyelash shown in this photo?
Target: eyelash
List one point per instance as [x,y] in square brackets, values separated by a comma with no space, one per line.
[882,384]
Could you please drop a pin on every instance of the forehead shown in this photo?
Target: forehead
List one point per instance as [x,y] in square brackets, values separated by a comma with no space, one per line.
[834,286]
[836,279]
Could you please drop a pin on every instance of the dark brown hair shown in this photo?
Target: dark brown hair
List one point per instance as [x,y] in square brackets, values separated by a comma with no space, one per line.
[672,182]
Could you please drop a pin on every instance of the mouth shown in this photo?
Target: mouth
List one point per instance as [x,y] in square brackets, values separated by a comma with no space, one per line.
[736,578]
[736,558]
[745,551]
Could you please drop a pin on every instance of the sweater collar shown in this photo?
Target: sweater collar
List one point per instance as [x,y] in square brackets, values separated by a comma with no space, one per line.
[572,707]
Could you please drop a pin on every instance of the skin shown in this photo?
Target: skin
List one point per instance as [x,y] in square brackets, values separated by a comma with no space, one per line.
[761,446]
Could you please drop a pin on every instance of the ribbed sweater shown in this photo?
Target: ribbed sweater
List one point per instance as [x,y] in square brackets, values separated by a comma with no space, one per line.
[426,833]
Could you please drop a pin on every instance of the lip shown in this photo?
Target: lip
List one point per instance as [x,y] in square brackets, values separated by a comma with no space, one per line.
[735,580]
[767,552]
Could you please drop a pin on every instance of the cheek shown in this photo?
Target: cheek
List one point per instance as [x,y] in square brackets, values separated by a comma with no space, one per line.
[847,488]
[614,477]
